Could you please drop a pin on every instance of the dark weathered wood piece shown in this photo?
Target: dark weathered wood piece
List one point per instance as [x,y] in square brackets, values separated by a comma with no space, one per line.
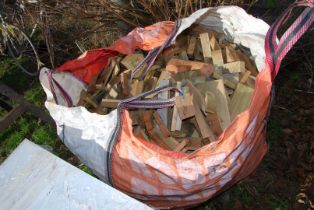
[23,106]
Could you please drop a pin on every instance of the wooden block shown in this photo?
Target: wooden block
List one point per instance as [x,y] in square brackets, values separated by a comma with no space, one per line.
[249,64]
[125,82]
[198,98]
[235,67]
[214,43]
[218,89]
[245,77]
[217,57]
[165,75]
[135,117]
[154,135]
[191,46]
[150,84]
[161,125]
[164,95]
[185,106]
[138,132]
[177,65]
[176,121]
[231,54]
[251,81]
[183,55]
[205,130]
[110,103]
[207,53]
[131,61]
[210,102]
[91,101]
[214,123]
[231,80]
[113,93]
[178,134]
[194,144]
[148,120]
[198,54]
[171,142]
[240,100]
[137,87]
[181,145]
[227,82]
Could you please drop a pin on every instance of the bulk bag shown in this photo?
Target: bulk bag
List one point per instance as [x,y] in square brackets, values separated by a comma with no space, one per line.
[157,177]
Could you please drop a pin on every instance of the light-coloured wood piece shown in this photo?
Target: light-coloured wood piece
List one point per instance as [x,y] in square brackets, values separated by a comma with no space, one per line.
[205,130]
[235,67]
[217,57]
[164,130]
[137,87]
[138,132]
[218,89]
[155,136]
[176,121]
[171,142]
[185,106]
[125,79]
[131,61]
[197,96]
[210,102]
[231,54]
[164,113]
[214,123]
[181,145]
[214,43]
[249,64]
[110,103]
[245,77]
[177,65]
[183,55]
[150,84]
[251,81]
[240,100]
[205,42]
[148,120]
[191,46]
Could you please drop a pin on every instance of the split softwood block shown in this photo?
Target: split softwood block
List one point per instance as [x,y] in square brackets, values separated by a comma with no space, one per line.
[154,135]
[205,42]
[210,102]
[171,142]
[125,79]
[245,77]
[131,61]
[231,54]
[138,132]
[240,100]
[214,123]
[181,145]
[217,57]
[235,67]
[218,89]
[249,64]
[110,103]
[214,43]
[191,46]
[185,106]
[161,125]
[197,96]
[148,120]
[198,54]
[164,95]
[205,130]
[177,65]
[137,87]
[176,121]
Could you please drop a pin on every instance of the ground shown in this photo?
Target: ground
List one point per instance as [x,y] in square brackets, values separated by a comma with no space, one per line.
[275,183]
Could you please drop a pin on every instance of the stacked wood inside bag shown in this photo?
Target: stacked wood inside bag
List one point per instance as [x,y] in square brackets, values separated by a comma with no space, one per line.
[217,79]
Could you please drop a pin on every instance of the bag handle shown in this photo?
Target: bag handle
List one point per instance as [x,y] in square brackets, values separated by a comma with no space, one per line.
[276,52]
[134,102]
